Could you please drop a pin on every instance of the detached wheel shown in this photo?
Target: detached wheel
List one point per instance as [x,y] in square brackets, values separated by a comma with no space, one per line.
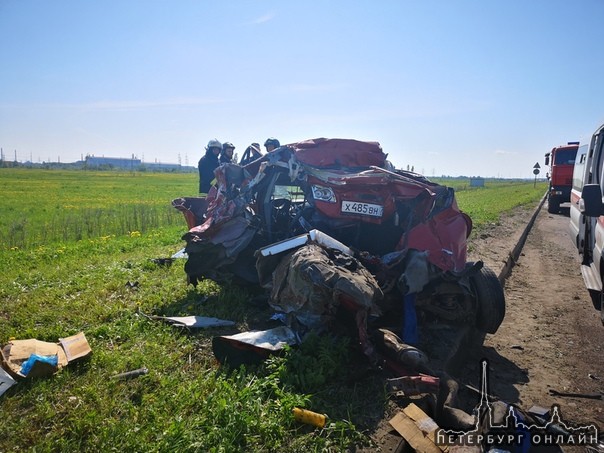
[490,300]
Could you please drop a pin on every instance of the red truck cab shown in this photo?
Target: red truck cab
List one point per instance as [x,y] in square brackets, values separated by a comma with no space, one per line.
[561,161]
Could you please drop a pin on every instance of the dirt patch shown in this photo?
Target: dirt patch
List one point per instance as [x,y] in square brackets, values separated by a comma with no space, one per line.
[551,337]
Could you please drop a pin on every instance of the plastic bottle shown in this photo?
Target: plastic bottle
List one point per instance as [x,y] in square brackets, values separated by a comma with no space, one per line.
[309,417]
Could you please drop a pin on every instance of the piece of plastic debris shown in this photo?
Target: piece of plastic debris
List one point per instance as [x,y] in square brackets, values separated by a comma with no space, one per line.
[29,363]
[309,417]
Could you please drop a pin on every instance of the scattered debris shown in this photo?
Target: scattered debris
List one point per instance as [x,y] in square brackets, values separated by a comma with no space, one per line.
[252,347]
[309,417]
[593,396]
[417,428]
[593,376]
[131,374]
[181,254]
[195,322]
[539,411]
[163,261]
[6,381]
[42,358]
[517,346]
[132,285]
[412,385]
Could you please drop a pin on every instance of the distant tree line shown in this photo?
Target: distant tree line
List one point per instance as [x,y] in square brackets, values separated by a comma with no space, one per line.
[82,165]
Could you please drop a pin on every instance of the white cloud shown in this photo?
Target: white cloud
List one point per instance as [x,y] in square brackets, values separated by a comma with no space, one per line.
[263,19]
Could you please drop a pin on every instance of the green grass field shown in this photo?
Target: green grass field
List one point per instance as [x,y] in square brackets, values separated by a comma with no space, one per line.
[76,250]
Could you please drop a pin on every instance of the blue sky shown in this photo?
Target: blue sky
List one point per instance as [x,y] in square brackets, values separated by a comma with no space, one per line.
[482,87]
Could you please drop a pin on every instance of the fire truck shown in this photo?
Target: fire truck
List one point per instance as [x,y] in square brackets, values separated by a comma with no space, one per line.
[561,161]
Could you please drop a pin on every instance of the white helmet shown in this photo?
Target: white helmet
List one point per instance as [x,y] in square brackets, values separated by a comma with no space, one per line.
[214,144]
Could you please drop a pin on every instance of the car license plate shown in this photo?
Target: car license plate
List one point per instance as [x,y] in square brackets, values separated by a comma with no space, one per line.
[354,207]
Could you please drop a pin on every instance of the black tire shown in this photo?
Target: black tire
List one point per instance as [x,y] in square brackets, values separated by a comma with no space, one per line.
[553,205]
[490,300]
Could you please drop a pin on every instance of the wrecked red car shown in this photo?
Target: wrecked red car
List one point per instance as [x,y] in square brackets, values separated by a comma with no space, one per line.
[330,226]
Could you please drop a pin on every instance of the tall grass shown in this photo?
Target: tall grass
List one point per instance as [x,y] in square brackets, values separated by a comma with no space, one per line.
[486,204]
[43,206]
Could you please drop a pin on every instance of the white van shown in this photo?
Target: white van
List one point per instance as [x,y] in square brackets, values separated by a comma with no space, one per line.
[592,207]
[577,219]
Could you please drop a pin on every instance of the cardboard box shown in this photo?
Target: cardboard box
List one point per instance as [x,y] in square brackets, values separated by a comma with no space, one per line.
[417,428]
[67,350]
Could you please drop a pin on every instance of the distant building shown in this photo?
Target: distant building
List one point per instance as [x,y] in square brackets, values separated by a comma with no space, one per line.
[114,162]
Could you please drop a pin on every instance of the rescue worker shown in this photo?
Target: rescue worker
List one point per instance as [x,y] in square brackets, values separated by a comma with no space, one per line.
[271,144]
[250,154]
[226,156]
[207,164]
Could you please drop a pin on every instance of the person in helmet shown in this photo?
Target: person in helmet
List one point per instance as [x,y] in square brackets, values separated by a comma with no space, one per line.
[226,156]
[207,164]
[250,154]
[271,144]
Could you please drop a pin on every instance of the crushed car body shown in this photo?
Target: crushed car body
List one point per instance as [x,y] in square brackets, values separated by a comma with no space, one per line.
[333,230]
